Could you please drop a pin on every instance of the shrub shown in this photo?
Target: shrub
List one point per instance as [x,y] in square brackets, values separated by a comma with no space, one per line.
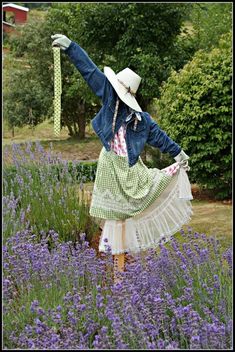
[195,109]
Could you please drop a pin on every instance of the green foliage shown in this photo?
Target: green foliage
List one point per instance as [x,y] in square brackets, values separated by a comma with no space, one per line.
[25,103]
[36,5]
[195,110]
[149,38]
[33,45]
[183,49]
[140,36]
[144,37]
[210,21]
[47,197]
[81,172]
[6,39]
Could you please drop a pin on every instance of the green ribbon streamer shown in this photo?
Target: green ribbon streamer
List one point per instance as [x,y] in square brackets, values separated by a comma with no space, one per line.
[57,90]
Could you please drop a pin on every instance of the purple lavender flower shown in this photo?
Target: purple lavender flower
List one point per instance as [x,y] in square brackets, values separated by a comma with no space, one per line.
[160,304]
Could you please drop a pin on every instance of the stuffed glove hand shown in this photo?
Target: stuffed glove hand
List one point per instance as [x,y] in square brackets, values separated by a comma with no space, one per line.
[182,158]
[61,41]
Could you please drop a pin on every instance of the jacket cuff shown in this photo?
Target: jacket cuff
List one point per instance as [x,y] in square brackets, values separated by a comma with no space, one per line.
[69,47]
[181,156]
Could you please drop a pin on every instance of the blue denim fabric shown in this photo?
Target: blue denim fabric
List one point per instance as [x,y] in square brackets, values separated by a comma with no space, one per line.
[147,130]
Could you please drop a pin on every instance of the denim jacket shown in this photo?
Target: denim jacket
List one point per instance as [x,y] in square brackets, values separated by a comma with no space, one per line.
[147,130]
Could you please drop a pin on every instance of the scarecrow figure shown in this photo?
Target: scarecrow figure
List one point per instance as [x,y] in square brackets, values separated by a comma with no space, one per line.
[140,206]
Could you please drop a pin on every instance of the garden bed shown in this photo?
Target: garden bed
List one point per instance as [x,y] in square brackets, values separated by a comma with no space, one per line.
[59,291]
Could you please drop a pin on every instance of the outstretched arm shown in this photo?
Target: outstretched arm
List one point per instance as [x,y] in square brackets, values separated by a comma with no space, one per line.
[158,138]
[96,79]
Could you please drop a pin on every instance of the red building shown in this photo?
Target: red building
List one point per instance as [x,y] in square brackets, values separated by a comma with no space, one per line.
[12,15]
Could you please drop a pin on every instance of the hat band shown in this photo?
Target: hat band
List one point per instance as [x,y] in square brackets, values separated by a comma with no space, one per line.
[127,88]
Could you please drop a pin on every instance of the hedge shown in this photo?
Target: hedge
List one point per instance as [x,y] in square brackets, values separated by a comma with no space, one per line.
[195,110]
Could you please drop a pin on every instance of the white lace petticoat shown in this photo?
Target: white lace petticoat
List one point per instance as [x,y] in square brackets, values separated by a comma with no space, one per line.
[157,223]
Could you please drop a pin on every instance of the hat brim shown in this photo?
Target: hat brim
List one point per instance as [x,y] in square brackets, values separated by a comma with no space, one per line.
[126,97]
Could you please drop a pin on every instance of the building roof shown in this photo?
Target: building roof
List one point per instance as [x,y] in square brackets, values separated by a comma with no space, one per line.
[15,7]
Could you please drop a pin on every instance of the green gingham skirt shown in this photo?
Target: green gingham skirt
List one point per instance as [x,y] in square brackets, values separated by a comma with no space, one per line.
[121,192]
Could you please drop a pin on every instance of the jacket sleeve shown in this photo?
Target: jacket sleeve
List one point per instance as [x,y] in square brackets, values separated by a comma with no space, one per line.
[96,79]
[159,139]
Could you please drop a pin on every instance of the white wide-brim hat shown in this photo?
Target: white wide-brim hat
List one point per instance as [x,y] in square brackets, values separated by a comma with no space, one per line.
[125,83]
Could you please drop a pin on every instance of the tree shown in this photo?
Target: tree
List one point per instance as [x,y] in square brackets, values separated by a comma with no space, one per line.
[35,5]
[210,21]
[195,109]
[25,103]
[138,36]
[33,45]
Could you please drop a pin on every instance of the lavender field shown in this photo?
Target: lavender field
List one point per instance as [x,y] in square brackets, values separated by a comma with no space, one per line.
[58,293]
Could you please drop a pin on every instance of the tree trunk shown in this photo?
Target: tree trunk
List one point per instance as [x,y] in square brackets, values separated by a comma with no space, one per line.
[70,129]
[81,121]
[75,128]
[66,122]
[81,127]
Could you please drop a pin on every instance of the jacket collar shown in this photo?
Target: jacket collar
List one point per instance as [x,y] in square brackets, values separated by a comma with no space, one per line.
[137,114]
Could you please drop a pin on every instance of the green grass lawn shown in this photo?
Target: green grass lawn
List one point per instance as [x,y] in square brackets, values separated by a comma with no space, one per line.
[70,148]
[212,218]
